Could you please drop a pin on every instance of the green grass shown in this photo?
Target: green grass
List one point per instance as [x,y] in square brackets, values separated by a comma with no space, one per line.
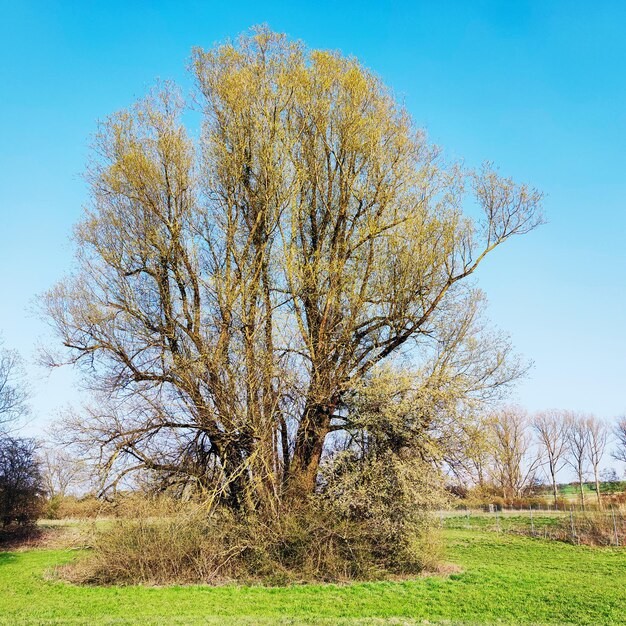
[506,579]
[509,521]
[590,490]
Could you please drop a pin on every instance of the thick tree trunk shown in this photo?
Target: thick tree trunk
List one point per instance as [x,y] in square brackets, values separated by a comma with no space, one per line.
[237,487]
[307,452]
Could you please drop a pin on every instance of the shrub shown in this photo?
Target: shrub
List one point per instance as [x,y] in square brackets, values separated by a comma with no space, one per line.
[21,488]
[311,542]
[73,507]
[392,497]
[124,504]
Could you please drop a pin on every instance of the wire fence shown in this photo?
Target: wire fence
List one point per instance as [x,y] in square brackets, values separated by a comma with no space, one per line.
[561,505]
[605,527]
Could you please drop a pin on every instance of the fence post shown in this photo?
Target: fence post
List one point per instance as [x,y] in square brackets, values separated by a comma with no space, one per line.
[468,519]
[615,526]
[532,522]
[571,521]
[497,521]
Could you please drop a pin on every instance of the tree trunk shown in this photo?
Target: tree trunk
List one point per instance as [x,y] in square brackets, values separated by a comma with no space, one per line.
[481,479]
[595,471]
[554,488]
[307,453]
[237,489]
[582,490]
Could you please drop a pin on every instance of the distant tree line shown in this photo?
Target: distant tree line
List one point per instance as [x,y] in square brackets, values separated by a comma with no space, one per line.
[512,452]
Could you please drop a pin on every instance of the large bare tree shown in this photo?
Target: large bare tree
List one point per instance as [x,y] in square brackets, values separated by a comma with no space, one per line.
[13,388]
[598,439]
[578,448]
[516,462]
[229,292]
[551,430]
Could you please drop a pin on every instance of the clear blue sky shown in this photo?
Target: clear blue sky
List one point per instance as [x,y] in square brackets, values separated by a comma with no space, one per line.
[537,87]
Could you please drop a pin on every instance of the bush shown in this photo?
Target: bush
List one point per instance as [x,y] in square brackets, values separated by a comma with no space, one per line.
[171,542]
[392,498]
[477,499]
[598,528]
[125,504]
[21,488]
[73,507]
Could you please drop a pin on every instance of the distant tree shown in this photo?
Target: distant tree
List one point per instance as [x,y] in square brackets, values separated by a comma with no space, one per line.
[598,438]
[13,389]
[515,461]
[471,460]
[609,475]
[620,435]
[578,448]
[61,471]
[21,486]
[550,428]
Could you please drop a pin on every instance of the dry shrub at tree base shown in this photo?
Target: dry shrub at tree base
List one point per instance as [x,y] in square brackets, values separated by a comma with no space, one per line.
[370,519]
[304,545]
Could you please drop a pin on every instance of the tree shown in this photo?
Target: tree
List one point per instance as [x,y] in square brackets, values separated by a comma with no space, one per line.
[598,438]
[620,435]
[577,448]
[609,475]
[515,462]
[13,390]
[551,429]
[472,461]
[61,471]
[20,481]
[229,296]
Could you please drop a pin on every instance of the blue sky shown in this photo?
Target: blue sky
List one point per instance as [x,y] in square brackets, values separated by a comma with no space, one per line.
[537,87]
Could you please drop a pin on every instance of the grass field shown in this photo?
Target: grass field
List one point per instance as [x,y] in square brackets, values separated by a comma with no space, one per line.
[572,492]
[505,579]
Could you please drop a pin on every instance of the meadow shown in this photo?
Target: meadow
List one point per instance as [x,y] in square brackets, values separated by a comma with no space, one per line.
[495,577]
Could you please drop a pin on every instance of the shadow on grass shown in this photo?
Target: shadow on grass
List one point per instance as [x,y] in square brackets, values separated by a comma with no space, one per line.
[6,558]
[19,537]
